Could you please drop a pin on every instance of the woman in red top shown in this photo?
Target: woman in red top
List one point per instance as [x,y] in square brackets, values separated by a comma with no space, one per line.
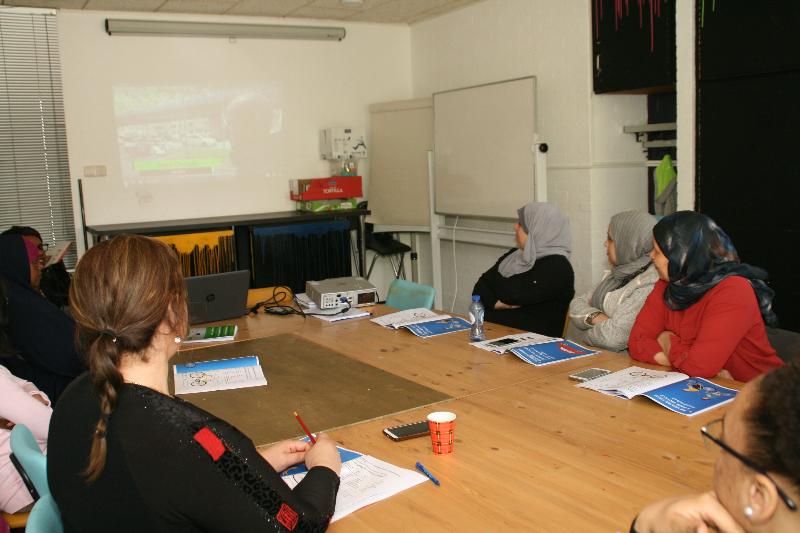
[706,314]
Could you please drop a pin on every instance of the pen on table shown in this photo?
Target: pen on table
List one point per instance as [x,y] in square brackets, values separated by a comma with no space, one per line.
[427,473]
[305,428]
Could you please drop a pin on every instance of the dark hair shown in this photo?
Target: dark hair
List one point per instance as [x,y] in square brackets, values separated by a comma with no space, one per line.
[774,423]
[122,290]
[25,231]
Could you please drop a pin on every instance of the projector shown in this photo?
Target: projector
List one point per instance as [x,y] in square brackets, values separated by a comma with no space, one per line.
[333,292]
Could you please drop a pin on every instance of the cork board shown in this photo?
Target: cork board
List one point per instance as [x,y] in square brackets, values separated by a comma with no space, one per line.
[328,389]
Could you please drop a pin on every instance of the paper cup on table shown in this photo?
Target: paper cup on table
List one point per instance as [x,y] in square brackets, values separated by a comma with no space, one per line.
[442,425]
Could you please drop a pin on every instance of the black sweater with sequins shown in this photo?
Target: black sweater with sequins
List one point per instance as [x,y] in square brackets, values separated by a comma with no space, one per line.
[171,466]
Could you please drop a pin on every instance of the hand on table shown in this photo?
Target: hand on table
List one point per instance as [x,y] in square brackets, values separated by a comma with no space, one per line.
[502,305]
[700,513]
[324,453]
[285,454]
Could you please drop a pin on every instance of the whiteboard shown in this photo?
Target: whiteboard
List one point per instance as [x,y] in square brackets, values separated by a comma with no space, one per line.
[484,157]
[402,135]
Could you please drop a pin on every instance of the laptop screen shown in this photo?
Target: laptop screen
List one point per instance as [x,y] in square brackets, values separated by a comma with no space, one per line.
[217,296]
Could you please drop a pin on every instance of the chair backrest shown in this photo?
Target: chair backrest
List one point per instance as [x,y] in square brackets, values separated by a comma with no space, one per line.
[26,450]
[405,294]
[785,342]
[44,517]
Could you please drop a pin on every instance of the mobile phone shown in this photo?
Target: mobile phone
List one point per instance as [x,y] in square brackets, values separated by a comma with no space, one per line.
[407,431]
[589,373]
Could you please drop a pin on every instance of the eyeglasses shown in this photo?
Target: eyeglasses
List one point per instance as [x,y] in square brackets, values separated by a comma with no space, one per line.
[43,246]
[713,432]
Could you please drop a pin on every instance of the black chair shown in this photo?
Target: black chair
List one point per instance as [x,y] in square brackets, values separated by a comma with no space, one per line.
[383,244]
[785,342]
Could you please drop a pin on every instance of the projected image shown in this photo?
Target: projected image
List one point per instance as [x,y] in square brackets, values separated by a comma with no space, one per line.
[196,132]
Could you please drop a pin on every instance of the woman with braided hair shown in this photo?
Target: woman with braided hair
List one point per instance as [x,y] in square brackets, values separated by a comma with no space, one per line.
[128,456]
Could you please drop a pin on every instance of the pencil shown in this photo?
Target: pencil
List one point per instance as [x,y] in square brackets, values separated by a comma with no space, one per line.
[305,428]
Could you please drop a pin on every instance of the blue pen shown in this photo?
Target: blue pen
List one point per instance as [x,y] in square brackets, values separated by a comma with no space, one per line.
[427,473]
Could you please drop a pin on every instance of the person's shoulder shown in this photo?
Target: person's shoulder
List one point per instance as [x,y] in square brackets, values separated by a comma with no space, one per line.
[647,279]
[733,287]
[79,391]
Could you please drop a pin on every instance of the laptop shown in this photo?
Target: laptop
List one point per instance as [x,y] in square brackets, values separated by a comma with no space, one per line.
[217,296]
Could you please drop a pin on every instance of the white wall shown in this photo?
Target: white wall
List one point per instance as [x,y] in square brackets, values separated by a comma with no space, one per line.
[594,169]
[322,84]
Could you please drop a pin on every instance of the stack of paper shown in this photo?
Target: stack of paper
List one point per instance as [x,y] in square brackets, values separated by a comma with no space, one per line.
[334,315]
[364,480]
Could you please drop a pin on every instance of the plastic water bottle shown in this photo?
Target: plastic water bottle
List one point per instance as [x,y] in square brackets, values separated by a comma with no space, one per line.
[476,319]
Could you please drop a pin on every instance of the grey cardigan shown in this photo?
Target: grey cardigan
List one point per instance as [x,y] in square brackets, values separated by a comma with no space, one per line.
[622,306]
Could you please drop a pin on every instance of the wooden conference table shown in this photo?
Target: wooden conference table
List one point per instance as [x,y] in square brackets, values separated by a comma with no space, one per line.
[533,453]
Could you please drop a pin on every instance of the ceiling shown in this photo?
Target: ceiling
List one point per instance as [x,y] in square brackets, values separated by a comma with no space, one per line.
[383,11]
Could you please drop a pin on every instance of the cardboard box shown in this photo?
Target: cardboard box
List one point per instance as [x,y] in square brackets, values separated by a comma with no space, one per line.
[325,188]
[317,206]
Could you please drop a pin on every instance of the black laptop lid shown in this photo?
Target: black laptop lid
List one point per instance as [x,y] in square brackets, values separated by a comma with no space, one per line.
[217,296]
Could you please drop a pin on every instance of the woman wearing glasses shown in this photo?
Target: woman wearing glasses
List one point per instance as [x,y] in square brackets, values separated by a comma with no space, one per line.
[757,475]
[126,455]
[42,335]
[706,314]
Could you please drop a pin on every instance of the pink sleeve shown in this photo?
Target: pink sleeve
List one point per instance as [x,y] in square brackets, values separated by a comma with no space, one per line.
[642,344]
[20,407]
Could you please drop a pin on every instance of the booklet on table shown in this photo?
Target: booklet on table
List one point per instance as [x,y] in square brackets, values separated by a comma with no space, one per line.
[551,352]
[673,390]
[211,334]
[221,374]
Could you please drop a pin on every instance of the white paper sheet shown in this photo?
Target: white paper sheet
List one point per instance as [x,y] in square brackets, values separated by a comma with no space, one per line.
[407,317]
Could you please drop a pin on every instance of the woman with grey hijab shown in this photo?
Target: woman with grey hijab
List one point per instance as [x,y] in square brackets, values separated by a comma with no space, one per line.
[604,315]
[530,287]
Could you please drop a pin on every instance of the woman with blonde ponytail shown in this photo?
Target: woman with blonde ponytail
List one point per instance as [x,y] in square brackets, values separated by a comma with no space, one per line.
[128,456]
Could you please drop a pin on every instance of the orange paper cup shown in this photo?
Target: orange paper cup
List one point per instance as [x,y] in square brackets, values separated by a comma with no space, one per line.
[442,425]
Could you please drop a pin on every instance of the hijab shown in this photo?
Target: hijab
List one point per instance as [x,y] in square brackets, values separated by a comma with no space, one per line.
[548,234]
[632,233]
[41,332]
[700,256]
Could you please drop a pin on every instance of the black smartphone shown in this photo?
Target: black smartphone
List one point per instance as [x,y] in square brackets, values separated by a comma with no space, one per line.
[407,431]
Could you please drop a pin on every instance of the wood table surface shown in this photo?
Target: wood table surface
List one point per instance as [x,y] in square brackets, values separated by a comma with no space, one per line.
[532,452]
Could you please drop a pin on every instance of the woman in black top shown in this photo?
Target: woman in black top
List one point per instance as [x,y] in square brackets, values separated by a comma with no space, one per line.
[124,455]
[530,287]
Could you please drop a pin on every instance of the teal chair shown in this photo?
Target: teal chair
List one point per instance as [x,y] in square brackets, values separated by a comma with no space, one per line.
[44,517]
[26,451]
[404,294]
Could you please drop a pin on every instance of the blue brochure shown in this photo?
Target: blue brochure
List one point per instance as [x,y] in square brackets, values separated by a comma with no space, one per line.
[438,327]
[691,396]
[673,390]
[548,353]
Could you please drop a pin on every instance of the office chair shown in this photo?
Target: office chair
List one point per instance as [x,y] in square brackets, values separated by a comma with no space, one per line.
[32,464]
[785,342]
[28,455]
[404,294]
[44,517]
[384,244]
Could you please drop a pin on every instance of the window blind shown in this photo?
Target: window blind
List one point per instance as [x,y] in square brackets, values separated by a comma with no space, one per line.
[34,170]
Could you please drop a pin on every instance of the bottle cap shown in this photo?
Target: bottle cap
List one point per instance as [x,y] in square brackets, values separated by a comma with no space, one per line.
[476,298]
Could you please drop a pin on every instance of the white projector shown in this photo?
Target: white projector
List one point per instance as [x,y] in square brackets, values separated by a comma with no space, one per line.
[334,292]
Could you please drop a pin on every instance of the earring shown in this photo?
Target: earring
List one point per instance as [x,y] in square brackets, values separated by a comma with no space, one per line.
[178,339]
[748,511]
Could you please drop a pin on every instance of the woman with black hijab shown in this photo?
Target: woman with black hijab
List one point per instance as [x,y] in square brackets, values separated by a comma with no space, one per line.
[706,314]
[41,334]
